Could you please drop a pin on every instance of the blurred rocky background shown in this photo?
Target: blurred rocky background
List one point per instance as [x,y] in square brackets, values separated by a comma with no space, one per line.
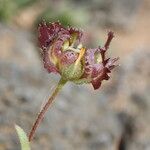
[115,117]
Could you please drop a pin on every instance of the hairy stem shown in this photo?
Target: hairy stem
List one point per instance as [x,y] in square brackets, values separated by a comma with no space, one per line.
[45,108]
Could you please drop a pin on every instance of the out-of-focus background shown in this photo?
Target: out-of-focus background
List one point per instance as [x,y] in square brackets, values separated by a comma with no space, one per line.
[115,117]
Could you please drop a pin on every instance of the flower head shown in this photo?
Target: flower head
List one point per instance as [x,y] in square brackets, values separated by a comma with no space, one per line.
[64,54]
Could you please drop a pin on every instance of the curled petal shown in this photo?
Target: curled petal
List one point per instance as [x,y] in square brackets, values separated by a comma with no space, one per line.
[96,82]
[51,38]
[43,36]
[68,57]
[48,33]
[103,73]
[92,68]
[48,65]
[97,65]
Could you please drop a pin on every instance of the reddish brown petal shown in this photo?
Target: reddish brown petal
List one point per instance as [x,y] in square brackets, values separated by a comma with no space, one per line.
[109,39]
[106,45]
[99,71]
[48,33]
[43,36]
[96,84]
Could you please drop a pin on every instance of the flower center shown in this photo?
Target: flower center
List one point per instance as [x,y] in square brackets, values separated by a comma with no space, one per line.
[70,44]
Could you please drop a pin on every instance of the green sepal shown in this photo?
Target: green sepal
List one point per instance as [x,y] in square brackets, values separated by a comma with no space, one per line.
[72,72]
[82,81]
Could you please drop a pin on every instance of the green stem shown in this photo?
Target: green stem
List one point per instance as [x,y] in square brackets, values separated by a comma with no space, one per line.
[45,108]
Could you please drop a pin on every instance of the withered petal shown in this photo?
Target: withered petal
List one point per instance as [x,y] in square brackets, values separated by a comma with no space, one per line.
[96,84]
[43,36]
[68,57]
[99,71]
[90,66]
[50,32]
[48,65]
[51,38]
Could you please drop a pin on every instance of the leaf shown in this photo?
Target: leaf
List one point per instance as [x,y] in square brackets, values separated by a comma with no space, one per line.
[25,145]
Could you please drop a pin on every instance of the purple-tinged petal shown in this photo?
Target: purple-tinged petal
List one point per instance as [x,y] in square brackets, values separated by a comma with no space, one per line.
[99,70]
[68,57]
[92,69]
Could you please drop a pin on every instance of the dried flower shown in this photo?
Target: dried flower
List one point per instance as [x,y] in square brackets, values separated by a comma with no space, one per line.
[64,54]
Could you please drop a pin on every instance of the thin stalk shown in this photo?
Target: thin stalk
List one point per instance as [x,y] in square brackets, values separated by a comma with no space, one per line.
[45,108]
